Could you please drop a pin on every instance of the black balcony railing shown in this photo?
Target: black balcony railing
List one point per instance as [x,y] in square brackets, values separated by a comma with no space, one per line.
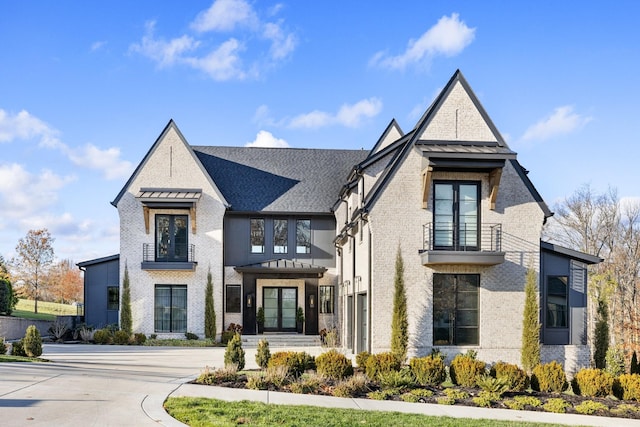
[462,237]
[184,254]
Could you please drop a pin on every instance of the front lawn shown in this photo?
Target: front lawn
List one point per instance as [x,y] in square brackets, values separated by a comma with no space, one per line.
[7,358]
[211,412]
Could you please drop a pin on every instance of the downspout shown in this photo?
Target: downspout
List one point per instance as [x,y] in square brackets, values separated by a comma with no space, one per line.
[369,296]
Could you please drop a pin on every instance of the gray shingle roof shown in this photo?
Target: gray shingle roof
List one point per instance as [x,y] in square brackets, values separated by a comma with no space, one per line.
[278,179]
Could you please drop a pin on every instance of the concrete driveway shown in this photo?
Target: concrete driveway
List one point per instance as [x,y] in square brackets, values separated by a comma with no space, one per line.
[91,385]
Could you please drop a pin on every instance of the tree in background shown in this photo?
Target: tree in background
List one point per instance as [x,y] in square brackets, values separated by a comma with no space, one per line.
[601,339]
[603,225]
[399,322]
[209,310]
[4,270]
[8,300]
[65,284]
[125,305]
[35,255]
[530,353]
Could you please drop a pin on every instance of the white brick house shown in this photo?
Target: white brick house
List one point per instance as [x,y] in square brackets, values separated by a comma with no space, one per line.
[320,229]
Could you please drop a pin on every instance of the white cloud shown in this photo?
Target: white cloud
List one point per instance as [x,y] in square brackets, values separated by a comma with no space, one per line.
[225,15]
[98,45]
[561,122]
[447,38]
[348,115]
[222,64]
[163,52]
[107,161]
[266,139]
[25,126]
[224,61]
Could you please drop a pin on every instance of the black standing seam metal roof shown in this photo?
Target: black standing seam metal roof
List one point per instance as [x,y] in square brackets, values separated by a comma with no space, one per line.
[278,179]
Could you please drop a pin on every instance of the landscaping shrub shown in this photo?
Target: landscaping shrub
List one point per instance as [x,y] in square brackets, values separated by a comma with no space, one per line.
[465,370]
[520,402]
[592,382]
[354,385]
[589,407]
[257,382]
[428,370]
[455,393]
[333,364]
[263,354]
[102,336]
[486,398]
[191,336]
[32,342]
[296,362]
[495,386]
[17,349]
[614,361]
[306,385]
[3,346]
[218,376]
[557,405]
[121,337]
[396,379]
[277,375]
[516,378]
[361,359]
[381,362]
[58,329]
[549,377]
[86,333]
[627,387]
[139,338]
[234,354]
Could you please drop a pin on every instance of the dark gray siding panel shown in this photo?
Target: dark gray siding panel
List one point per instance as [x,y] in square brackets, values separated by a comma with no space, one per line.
[97,277]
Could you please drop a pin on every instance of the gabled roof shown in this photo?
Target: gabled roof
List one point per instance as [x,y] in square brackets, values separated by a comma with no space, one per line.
[477,149]
[170,126]
[278,179]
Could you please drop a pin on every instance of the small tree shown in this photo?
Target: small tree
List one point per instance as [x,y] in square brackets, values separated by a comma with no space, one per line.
[263,354]
[634,368]
[32,342]
[530,353]
[8,299]
[234,354]
[35,254]
[125,305]
[601,338]
[399,322]
[209,310]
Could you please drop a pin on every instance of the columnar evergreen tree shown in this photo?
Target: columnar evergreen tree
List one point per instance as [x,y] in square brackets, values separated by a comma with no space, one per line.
[209,310]
[634,368]
[399,323]
[530,353]
[125,304]
[601,338]
[8,299]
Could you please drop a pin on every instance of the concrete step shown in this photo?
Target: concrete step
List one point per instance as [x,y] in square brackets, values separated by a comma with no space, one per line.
[282,340]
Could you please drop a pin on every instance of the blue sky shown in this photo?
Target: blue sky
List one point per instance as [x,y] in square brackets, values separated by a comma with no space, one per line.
[87,87]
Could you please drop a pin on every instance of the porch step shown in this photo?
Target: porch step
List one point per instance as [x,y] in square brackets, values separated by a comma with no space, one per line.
[282,340]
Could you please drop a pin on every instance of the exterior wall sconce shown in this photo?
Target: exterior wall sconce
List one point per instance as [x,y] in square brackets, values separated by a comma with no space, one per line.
[312,301]
[250,299]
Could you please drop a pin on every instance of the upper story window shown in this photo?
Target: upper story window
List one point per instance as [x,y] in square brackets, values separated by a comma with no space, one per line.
[456,215]
[171,238]
[257,235]
[303,236]
[280,236]
[557,311]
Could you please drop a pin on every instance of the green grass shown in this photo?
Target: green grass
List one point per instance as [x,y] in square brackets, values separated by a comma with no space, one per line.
[180,343]
[198,412]
[7,358]
[46,310]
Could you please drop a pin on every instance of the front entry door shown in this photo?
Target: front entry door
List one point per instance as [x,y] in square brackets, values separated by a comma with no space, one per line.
[280,305]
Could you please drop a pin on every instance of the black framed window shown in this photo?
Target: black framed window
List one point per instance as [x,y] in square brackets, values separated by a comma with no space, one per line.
[170,308]
[557,311]
[280,236]
[233,299]
[303,236]
[326,299]
[113,297]
[257,235]
[171,238]
[456,309]
[456,215]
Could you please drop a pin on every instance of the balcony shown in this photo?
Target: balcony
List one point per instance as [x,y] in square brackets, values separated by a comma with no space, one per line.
[464,244]
[181,258]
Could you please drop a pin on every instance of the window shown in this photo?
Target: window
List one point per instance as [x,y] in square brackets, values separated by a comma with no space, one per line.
[113,297]
[557,302]
[326,299]
[303,236]
[280,236]
[233,299]
[171,308]
[257,235]
[171,238]
[455,309]
[456,215]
